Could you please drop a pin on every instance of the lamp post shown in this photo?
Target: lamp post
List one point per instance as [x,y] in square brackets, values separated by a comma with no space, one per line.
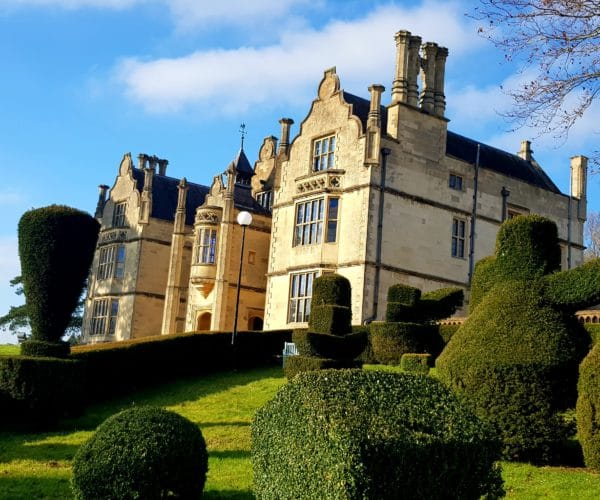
[244,219]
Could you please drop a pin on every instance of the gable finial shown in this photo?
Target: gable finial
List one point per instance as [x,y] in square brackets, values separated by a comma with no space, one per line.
[243,133]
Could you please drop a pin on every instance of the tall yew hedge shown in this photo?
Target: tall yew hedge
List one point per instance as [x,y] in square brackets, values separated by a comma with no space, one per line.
[56,247]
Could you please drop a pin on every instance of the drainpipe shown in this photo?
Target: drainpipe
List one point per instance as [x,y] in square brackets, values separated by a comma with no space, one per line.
[473,217]
[569,229]
[384,153]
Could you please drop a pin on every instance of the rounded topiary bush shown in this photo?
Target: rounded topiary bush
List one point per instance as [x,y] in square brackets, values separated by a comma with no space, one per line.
[142,452]
[331,289]
[56,248]
[369,434]
[588,408]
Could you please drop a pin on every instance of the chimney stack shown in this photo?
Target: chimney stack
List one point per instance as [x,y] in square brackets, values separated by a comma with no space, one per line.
[162,167]
[142,161]
[525,152]
[440,75]
[427,100]
[374,111]
[284,144]
[101,201]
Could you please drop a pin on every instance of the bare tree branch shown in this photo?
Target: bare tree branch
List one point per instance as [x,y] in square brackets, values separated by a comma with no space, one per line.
[560,41]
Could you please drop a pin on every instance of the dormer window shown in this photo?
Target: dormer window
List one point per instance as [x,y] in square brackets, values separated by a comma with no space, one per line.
[324,153]
[265,199]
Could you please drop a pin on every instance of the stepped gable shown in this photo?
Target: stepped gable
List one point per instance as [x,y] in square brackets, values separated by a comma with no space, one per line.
[164,196]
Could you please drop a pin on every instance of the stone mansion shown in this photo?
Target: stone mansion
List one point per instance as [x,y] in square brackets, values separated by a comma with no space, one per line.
[380,193]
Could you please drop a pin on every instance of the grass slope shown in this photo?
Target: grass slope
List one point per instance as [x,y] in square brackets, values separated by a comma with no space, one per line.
[39,465]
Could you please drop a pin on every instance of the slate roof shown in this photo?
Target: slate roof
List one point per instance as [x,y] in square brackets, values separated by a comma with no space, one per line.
[500,161]
[165,193]
[465,149]
[361,107]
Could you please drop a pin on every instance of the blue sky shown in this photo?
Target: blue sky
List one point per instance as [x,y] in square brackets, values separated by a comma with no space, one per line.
[85,81]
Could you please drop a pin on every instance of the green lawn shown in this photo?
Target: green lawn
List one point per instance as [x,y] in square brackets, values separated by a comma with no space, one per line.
[38,465]
[9,349]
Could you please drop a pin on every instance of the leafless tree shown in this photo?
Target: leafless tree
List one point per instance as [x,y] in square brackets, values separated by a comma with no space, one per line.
[592,235]
[560,41]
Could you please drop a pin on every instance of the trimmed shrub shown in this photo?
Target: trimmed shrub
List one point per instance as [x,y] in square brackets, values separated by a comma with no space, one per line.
[527,248]
[370,434]
[447,331]
[331,346]
[440,304]
[36,391]
[299,364]
[416,363]
[300,338]
[484,278]
[514,360]
[56,248]
[594,331]
[331,289]
[391,340]
[588,408]
[403,294]
[142,452]
[330,319]
[43,348]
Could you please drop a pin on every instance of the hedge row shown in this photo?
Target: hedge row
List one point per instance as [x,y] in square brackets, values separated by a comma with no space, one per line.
[36,391]
[128,365]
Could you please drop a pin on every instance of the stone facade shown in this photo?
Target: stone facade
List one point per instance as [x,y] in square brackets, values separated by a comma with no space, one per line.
[382,194]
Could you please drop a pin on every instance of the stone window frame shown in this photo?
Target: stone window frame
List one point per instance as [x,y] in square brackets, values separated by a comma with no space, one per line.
[119,212]
[111,262]
[456,181]
[207,246]
[300,295]
[310,217]
[323,153]
[103,320]
[459,237]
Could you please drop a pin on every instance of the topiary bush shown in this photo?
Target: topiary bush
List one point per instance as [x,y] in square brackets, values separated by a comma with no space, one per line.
[141,452]
[514,360]
[416,363]
[56,248]
[409,325]
[588,408]
[329,341]
[371,434]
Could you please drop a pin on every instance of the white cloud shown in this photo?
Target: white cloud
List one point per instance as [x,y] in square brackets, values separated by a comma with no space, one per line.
[193,13]
[288,72]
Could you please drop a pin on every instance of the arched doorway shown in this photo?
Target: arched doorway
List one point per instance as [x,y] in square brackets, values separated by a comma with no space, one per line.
[203,322]
[255,323]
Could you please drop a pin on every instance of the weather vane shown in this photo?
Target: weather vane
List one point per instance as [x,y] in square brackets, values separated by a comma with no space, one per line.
[243,133]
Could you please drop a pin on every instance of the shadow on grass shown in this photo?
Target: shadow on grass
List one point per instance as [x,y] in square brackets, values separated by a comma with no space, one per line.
[25,448]
[169,394]
[239,454]
[21,487]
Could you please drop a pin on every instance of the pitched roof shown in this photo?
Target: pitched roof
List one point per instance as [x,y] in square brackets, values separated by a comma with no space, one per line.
[165,193]
[495,159]
[361,108]
[243,199]
[465,149]
[241,163]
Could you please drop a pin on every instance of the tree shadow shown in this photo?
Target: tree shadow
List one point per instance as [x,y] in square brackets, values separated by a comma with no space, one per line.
[168,394]
[229,454]
[19,487]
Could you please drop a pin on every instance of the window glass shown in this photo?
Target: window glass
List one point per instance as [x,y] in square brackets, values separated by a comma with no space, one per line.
[300,296]
[458,238]
[119,215]
[324,153]
[207,245]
